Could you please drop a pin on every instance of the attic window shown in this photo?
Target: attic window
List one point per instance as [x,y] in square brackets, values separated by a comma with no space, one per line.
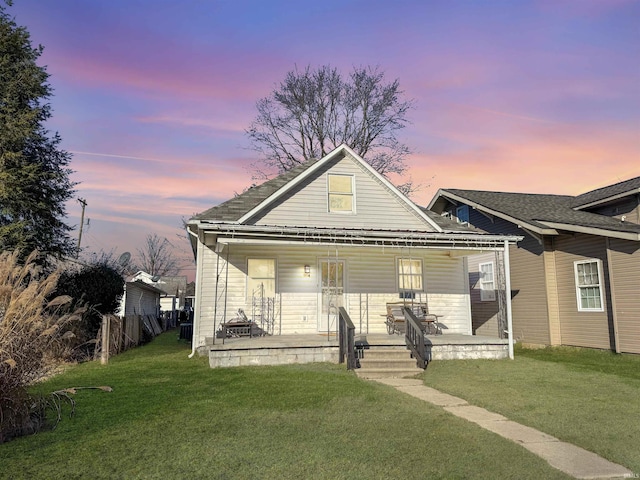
[462,214]
[341,193]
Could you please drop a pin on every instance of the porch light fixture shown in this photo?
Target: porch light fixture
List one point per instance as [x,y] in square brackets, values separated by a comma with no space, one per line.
[307,271]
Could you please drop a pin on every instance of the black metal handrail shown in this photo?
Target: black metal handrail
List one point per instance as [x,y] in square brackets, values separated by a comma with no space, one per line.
[414,338]
[346,338]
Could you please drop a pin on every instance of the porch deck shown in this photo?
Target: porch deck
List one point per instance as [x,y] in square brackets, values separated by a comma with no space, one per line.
[289,349]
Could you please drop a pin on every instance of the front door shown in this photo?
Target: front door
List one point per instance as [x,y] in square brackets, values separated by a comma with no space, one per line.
[332,293]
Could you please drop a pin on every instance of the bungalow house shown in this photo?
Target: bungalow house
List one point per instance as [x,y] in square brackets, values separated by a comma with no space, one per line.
[329,233]
[575,278]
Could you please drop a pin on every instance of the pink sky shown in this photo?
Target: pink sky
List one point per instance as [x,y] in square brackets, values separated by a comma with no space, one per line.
[153,97]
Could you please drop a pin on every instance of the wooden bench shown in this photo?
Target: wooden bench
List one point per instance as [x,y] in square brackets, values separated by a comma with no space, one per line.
[236,329]
[396,323]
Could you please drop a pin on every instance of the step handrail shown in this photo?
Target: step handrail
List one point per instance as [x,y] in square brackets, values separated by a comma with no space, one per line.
[346,339]
[414,338]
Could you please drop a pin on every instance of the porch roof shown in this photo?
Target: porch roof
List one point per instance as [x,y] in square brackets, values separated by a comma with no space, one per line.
[462,240]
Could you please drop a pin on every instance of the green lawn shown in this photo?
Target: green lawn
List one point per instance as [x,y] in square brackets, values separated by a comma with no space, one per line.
[173,417]
[587,397]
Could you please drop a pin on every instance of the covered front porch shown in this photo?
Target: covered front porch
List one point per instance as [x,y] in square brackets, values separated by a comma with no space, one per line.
[289,283]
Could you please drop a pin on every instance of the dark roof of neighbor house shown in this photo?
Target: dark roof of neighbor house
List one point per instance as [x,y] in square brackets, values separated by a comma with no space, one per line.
[533,209]
[233,209]
[173,286]
[448,224]
[604,193]
[146,286]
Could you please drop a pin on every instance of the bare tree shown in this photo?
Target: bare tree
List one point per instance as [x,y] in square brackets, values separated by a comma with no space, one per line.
[157,256]
[313,111]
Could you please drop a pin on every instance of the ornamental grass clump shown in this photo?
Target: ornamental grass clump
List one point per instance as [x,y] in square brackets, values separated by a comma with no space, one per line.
[34,339]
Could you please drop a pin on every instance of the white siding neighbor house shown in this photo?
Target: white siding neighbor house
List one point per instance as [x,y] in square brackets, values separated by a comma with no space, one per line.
[330,233]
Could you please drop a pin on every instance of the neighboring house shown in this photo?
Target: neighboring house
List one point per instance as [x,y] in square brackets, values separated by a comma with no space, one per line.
[575,277]
[173,289]
[140,298]
[331,232]
[190,297]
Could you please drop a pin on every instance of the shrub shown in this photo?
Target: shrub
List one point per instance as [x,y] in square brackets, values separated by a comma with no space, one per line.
[33,339]
[100,287]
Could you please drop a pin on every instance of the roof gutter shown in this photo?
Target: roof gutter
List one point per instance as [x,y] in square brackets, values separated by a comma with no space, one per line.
[607,199]
[633,236]
[359,236]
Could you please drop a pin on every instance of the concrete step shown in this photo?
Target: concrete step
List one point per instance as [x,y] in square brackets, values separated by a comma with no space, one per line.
[407,363]
[386,352]
[387,372]
[386,362]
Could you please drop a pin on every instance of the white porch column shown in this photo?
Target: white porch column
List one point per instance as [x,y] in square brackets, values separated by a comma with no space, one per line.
[507,287]
[198,300]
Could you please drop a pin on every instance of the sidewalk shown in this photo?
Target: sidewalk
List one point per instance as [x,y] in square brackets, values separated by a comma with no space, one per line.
[568,458]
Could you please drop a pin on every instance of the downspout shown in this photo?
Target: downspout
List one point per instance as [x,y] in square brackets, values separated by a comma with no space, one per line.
[612,292]
[196,309]
[507,288]
[218,249]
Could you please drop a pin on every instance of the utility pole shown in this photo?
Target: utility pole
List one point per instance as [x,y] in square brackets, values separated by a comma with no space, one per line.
[83,202]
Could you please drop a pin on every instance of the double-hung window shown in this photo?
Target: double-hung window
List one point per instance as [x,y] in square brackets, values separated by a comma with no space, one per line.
[487,282]
[588,274]
[341,193]
[261,277]
[409,277]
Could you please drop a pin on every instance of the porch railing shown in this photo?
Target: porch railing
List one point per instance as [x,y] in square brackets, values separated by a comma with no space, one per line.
[414,338]
[346,339]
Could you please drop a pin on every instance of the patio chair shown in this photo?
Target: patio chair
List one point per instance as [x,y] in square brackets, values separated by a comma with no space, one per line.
[396,323]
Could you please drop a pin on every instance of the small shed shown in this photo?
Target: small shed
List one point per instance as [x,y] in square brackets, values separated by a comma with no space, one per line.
[140,298]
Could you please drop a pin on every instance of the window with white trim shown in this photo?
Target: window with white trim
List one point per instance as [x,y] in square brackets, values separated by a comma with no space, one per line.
[340,191]
[261,277]
[588,275]
[462,214]
[487,282]
[409,277]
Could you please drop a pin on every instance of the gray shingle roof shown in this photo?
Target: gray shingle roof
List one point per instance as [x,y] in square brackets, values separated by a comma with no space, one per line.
[633,184]
[532,209]
[172,285]
[447,224]
[235,208]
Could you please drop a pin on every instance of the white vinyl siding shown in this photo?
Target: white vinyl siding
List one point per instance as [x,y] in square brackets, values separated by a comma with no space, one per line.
[340,192]
[140,301]
[376,207]
[487,282]
[588,274]
[370,282]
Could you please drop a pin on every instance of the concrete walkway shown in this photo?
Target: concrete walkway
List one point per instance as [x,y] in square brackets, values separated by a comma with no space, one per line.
[568,458]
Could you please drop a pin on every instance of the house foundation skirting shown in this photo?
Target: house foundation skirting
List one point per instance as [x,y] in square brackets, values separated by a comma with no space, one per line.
[285,350]
[272,356]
